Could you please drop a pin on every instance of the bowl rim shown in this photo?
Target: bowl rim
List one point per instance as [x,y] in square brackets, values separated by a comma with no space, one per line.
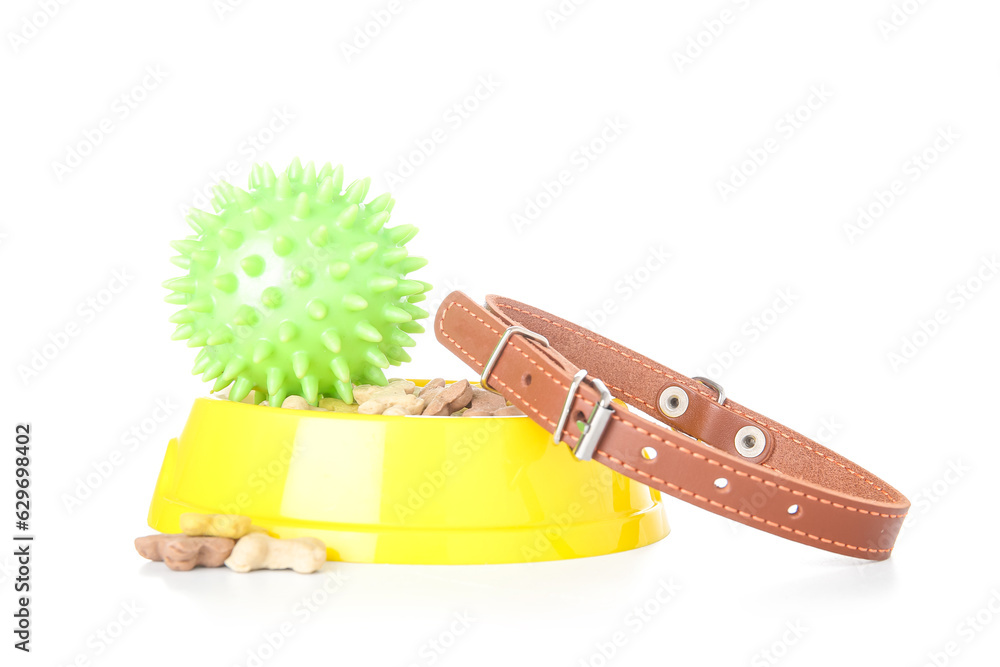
[330,414]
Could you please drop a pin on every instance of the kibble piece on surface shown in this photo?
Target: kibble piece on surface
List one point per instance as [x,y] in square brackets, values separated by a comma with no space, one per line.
[184,552]
[215,525]
[509,411]
[260,552]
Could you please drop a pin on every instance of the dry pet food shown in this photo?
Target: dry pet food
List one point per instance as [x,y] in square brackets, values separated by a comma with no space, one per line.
[183,552]
[260,552]
[215,525]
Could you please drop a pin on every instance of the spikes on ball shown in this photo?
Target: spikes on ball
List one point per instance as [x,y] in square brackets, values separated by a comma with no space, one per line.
[295,286]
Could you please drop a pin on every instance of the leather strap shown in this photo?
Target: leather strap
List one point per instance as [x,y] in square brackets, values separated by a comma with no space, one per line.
[794,488]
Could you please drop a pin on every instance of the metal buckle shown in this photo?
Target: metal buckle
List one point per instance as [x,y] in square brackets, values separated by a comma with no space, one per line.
[592,431]
[498,350]
[591,434]
[720,393]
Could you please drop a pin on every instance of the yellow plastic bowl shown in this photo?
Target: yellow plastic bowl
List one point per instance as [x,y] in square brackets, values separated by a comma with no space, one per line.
[419,490]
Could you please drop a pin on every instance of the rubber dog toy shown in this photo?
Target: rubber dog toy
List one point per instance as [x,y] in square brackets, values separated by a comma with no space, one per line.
[295,287]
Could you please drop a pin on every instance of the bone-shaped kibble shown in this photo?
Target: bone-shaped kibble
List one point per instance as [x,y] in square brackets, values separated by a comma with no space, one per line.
[405,385]
[183,552]
[392,404]
[455,396]
[336,405]
[487,404]
[486,401]
[215,525]
[365,392]
[436,383]
[260,552]
[296,403]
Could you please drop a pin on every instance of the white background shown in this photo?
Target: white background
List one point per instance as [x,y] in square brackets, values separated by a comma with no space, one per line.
[270,81]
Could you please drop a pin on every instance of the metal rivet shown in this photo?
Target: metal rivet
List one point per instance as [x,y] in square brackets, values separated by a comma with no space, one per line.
[673,401]
[750,442]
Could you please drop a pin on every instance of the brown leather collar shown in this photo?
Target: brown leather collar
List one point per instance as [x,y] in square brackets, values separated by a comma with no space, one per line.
[710,454]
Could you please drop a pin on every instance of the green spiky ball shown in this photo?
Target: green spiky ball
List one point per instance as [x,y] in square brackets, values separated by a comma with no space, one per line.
[296,287]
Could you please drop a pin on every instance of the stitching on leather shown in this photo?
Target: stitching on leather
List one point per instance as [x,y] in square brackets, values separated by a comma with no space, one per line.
[680,448]
[755,478]
[742,513]
[494,377]
[703,393]
[638,428]
[632,396]
[769,467]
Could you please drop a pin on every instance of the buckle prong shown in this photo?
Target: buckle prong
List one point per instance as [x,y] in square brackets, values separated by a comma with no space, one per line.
[498,350]
[590,435]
